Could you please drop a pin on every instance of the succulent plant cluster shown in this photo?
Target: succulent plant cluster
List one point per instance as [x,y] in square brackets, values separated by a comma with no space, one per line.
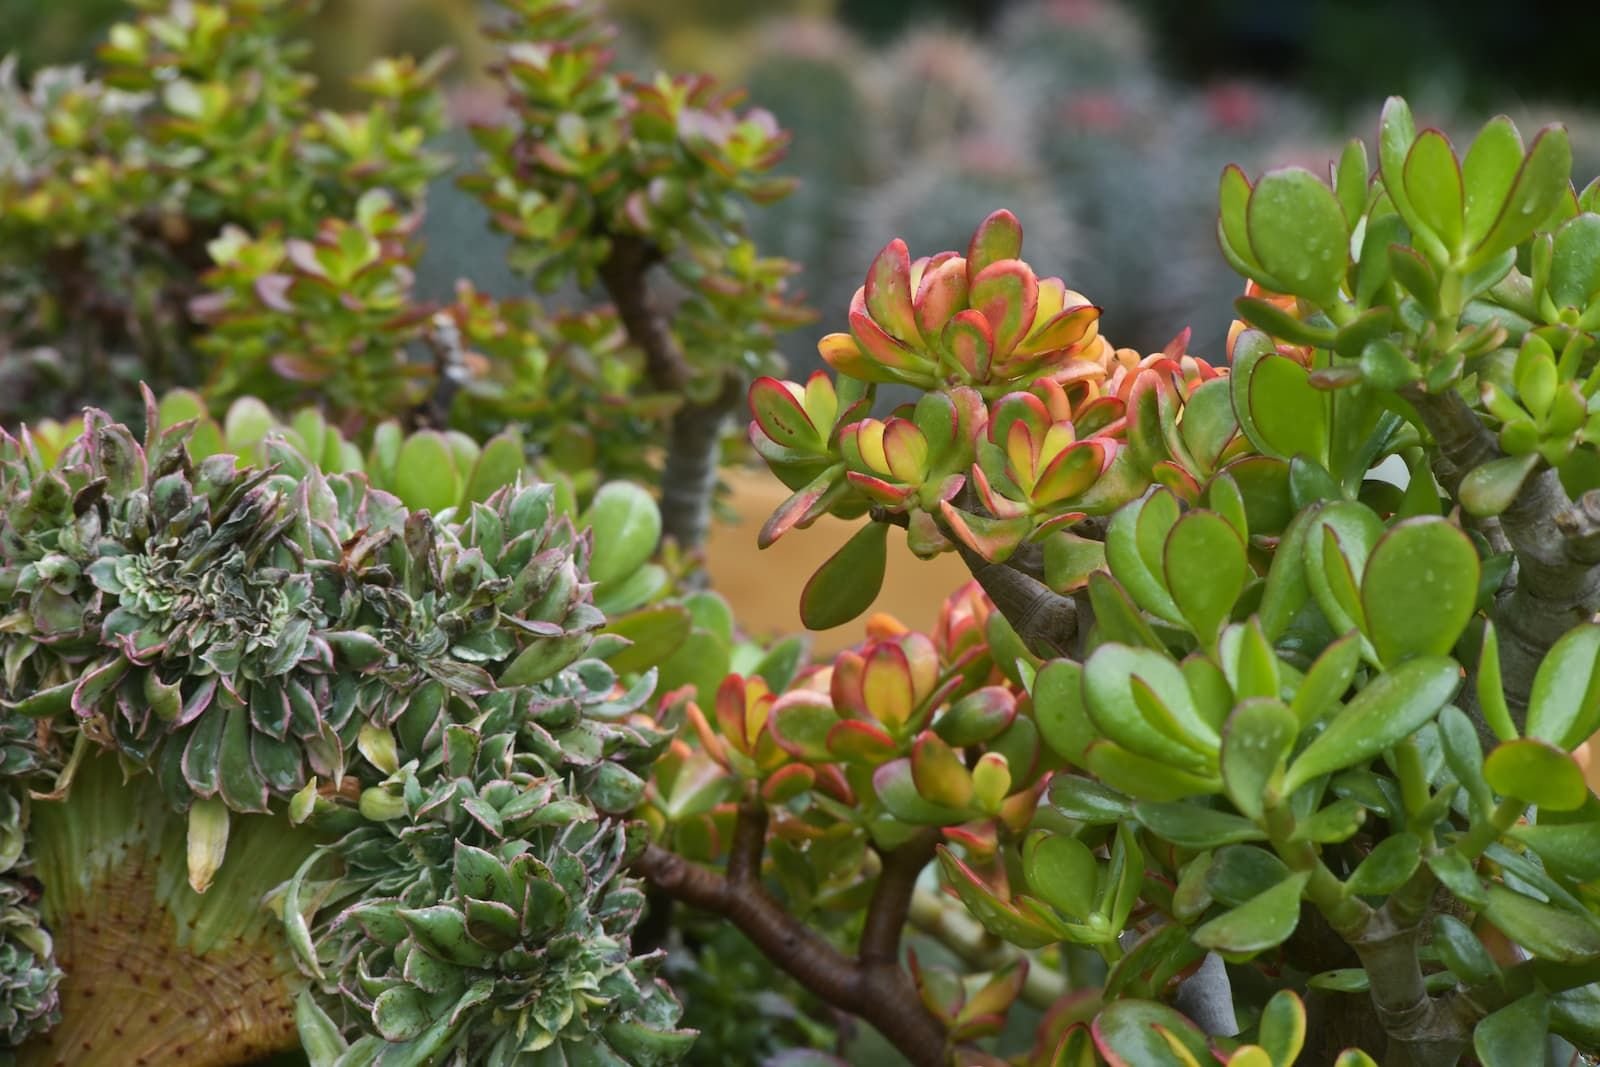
[1029,421]
[260,638]
[480,913]
[200,116]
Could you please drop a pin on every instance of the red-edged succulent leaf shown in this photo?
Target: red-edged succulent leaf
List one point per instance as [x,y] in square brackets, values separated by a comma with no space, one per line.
[1100,415]
[888,292]
[897,789]
[1146,437]
[1068,327]
[999,917]
[978,717]
[804,506]
[841,352]
[881,347]
[969,339]
[1072,472]
[787,782]
[887,691]
[940,776]
[861,742]
[997,237]
[879,490]
[1007,293]
[999,506]
[1173,477]
[800,722]
[993,539]
[778,409]
[942,293]
[991,782]
[905,451]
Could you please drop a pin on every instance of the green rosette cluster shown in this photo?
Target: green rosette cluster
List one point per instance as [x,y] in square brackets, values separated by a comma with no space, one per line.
[414,687]
[479,913]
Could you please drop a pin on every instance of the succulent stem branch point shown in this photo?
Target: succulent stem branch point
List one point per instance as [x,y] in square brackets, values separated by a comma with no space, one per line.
[872,985]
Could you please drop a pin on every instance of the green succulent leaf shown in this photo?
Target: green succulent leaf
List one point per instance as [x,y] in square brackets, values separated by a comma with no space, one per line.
[848,583]
[1419,590]
[1260,923]
[1297,231]
[1537,772]
[1391,708]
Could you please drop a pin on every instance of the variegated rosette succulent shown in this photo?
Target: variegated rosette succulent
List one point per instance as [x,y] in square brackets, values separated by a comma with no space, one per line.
[239,637]
[1029,421]
[477,911]
[30,978]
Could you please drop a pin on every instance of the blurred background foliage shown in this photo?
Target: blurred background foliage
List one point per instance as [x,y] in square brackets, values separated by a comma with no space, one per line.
[1102,123]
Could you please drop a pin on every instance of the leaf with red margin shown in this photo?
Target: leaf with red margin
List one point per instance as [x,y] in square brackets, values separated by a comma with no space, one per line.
[888,292]
[939,775]
[942,293]
[997,237]
[999,917]
[861,742]
[1072,472]
[883,348]
[969,339]
[804,506]
[1067,328]
[1007,293]
[781,415]
[993,539]
[800,722]
[841,352]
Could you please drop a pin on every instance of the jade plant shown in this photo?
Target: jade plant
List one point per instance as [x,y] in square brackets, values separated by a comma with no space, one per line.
[1312,722]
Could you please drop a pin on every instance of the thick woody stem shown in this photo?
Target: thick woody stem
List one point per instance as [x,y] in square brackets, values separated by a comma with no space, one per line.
[690,476]
[1047,622]
[1556,541]
[873,986]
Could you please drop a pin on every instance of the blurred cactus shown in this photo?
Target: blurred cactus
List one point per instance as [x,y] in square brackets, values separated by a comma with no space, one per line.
[806,72]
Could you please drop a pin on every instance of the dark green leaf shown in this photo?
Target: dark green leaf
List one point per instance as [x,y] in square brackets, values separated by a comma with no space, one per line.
[1260,923]
[1505,1038]
[1194,826]
[1548,931]
[848,583]
[1392,707]
[1387,866]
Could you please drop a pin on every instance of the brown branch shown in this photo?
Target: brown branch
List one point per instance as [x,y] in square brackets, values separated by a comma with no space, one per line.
[624,273]
[689,478]
[1046,621]
[891,899]
[879,991]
